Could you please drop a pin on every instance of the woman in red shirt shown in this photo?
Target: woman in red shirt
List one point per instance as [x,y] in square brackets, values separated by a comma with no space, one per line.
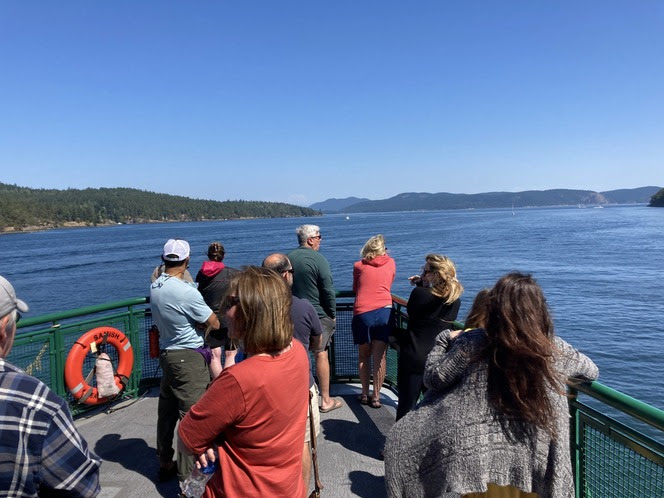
[372,314]
[253,413]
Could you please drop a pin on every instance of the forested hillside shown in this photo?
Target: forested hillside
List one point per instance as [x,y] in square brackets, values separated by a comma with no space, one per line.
[26,208]
[657,200]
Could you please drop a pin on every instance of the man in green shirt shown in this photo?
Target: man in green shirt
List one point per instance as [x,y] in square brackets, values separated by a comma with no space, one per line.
[312,280]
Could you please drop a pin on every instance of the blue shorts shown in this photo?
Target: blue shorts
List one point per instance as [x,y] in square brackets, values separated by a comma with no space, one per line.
[374,325]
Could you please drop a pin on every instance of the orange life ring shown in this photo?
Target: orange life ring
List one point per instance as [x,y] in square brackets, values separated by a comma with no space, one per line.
[76,384]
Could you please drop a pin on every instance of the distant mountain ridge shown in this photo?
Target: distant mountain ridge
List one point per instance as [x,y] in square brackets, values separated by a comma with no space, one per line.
[416,201]
[334,205]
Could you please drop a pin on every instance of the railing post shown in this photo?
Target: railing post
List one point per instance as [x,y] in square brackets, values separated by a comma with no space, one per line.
[135,340]
[576,444]
[57,361]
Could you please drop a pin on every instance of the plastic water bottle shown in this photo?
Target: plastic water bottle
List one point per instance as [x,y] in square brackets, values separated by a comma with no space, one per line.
[194,485]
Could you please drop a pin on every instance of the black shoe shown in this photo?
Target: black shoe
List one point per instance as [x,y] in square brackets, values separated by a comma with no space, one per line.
[167,473]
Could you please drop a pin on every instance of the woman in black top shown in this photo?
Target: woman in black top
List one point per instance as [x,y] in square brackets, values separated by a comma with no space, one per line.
[432,307]
[213,280]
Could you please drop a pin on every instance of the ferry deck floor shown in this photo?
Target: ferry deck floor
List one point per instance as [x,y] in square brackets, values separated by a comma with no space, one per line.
[348,447]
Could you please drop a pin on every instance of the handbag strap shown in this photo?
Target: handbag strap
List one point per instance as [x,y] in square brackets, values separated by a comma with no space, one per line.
[314,456]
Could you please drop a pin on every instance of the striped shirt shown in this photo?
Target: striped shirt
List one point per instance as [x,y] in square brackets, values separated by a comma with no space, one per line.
[40,449]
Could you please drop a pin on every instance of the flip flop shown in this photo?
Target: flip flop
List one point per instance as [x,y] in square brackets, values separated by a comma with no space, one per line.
[335,404]
[374,403]
[363,399]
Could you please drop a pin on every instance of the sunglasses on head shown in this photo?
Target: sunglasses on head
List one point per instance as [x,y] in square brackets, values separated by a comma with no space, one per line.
[232,301]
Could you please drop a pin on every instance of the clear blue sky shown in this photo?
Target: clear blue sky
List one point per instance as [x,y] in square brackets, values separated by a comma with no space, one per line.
[300,101]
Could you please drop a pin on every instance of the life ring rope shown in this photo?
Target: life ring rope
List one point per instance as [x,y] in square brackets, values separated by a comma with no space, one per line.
[79,387]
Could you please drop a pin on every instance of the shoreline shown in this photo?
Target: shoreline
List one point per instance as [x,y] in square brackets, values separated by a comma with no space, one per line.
[82,224]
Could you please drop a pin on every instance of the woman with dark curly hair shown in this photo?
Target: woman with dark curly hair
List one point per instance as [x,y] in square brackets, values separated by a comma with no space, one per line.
[495,420]
[479,312]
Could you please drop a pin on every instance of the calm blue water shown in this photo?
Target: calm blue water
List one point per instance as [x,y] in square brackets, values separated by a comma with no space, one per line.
[602,270]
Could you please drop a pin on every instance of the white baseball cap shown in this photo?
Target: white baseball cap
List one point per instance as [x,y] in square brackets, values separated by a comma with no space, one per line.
[176,250]
[8,300]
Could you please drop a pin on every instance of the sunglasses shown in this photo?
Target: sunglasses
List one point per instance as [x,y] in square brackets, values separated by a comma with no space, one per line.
[18,317]
[290,270]
[232,301]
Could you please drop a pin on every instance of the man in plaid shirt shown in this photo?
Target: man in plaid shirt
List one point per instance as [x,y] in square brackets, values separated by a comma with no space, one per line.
[41,452]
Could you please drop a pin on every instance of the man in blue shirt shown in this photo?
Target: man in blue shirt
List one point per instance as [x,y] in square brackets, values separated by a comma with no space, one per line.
[42,452]
[179,312]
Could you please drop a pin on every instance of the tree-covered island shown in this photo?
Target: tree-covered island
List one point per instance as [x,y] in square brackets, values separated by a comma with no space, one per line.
[657,200]
[23,209]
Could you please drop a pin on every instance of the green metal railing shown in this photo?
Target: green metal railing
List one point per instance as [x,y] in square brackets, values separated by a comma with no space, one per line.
[343,354]
[611,458]
[42,343]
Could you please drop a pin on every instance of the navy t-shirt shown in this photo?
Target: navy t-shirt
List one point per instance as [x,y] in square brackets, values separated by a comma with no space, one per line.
[307,324]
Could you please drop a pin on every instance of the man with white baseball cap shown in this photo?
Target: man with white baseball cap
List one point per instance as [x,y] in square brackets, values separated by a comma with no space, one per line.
[179,312]
[173,245]
[37,426]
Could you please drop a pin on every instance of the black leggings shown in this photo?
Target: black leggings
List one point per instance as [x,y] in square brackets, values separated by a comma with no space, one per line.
[410,386]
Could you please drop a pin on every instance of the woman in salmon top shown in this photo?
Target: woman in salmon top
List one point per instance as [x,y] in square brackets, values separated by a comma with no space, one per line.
[372,314]
[253,413]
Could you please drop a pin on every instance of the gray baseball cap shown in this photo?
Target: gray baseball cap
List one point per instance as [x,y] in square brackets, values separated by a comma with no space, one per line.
[8,300]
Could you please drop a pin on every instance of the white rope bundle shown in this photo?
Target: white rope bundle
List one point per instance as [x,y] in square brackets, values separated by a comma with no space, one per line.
[105,376]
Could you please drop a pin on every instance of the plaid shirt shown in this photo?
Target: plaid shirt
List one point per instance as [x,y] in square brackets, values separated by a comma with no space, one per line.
[40,449]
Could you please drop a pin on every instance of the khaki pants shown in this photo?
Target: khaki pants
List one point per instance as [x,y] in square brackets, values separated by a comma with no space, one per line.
[316,412]
[494,491]
[184,380]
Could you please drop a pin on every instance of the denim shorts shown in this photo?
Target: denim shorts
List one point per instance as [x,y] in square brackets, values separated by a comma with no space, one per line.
[374,325]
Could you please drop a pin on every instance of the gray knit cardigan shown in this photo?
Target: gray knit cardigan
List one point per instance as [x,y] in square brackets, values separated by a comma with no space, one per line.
[454,443]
